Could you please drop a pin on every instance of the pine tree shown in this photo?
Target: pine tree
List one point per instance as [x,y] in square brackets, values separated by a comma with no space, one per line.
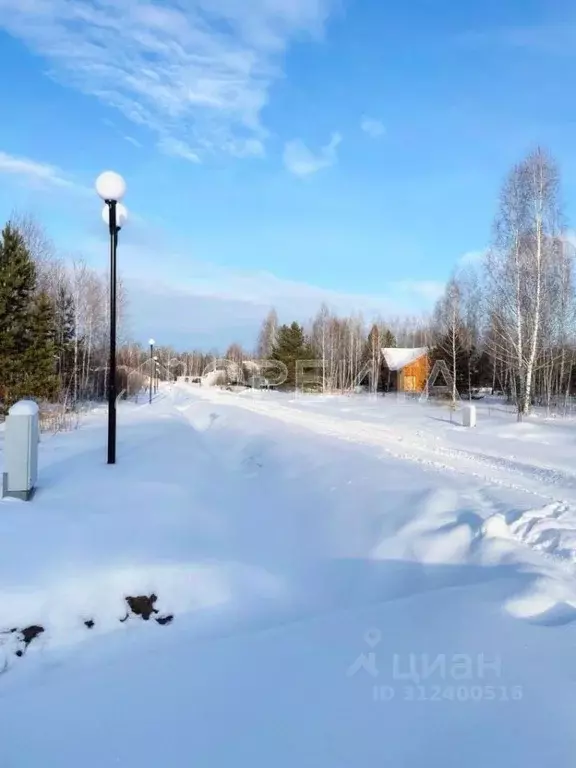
[484,370]
[387,338]
[40,379]
[372,357]
[378,338]
[291,345]
[17,284]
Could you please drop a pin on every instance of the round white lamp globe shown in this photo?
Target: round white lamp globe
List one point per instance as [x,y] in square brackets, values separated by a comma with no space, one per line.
[121,215]
[151,342]
[110,186]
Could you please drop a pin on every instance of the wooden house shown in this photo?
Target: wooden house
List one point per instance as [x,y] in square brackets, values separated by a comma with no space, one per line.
[405,369]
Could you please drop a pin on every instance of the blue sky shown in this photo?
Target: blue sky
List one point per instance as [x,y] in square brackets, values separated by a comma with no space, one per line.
[282,152]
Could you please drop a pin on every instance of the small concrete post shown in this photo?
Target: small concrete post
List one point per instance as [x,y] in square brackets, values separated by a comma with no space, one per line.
[21,438]
[469,416]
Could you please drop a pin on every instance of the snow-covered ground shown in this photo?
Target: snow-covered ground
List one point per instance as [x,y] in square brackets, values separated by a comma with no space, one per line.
[353,582]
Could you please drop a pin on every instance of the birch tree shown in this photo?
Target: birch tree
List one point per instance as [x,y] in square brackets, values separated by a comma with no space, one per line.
[268,335]
[448,326]
[520,269]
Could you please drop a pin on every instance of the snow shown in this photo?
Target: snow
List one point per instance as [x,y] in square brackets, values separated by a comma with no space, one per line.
[399,357]
[24,408]
[212,378]
[354,581]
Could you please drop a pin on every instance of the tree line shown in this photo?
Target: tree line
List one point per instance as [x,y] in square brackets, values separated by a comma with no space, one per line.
[506,323]
[348,352]
[54,328]
[53,321]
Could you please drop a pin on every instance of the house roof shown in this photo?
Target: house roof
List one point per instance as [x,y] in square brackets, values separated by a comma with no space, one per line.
[399,357]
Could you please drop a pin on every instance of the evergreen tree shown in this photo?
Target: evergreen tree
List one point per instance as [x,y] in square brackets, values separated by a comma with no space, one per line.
[484,370]
[40,379]
[387,338]
[291,345]
[372,357]
[17,284]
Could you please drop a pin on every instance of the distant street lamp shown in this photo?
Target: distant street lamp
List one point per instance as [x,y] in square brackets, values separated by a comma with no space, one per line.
[111,187]
[151,342]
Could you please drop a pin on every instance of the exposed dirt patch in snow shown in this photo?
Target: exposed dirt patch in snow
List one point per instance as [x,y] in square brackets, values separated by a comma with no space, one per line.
[21,638]
[143,606]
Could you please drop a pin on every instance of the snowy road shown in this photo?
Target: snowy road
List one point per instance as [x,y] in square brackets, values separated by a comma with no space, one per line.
[490,463]
[291,540]
[532,457]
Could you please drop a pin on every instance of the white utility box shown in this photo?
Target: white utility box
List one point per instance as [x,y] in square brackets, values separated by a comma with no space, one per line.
[469,416]
[21,438]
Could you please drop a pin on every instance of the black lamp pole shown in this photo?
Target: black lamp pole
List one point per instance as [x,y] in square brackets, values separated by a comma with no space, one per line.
[114,229]
[152,370]
[111,188]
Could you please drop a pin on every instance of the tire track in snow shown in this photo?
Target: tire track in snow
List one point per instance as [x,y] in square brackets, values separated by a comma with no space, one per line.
[536,528]
[501,473]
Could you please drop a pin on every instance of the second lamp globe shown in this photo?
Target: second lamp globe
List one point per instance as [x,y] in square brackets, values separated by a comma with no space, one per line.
[121,215]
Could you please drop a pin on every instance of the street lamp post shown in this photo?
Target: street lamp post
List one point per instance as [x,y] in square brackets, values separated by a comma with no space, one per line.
[111,187]
[152,373]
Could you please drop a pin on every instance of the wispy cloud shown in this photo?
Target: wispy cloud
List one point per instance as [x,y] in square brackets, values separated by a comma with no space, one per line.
[373,128]
[196,302]
[196,72]
[427,290]
[177,148]
[245,148]
[35,173]
[230,305]
[133,141]
[302,161]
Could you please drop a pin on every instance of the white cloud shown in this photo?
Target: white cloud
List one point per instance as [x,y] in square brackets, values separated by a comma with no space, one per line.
[177,148]
[245,148]
[228,305]
[200,303]
[302,161]
[428,290]
[34,173]
[373,128]
[196,72]
[133,141]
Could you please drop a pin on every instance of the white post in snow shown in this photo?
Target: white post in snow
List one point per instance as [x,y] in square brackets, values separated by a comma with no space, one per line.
[21,438]
[469,416]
